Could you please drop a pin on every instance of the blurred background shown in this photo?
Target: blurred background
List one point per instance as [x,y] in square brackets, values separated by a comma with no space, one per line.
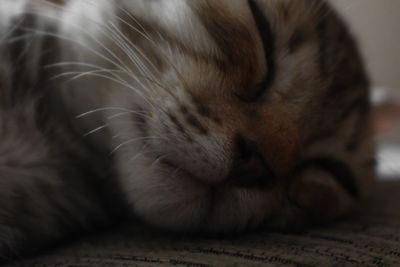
[376,23]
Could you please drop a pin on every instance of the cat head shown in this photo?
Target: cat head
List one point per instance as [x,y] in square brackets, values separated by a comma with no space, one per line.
[241,112]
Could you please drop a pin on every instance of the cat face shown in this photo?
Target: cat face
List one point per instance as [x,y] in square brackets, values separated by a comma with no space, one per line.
[247,113]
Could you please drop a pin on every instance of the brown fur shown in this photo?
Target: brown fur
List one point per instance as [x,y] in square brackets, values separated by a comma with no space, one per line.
[259,118]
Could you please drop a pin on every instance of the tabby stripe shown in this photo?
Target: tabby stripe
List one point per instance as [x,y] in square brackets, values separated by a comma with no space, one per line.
[339,170]
[361,104]
[323,46]
[296,41]
[194,122]
[360,107]
[177,123]
[266,35]
[359,135]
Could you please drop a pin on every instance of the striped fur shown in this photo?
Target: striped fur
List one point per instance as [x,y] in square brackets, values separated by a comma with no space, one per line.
[201,115]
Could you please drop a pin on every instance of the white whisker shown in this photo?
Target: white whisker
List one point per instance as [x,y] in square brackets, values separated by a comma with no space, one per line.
[142,114]
[159,159]
[132,141]
[105,126]
[103,109]
[80,74]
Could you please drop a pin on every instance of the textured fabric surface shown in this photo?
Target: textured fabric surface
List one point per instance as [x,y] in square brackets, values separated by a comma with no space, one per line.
[370,238]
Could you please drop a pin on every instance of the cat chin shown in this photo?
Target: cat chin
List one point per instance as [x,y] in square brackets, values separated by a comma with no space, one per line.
[171,199]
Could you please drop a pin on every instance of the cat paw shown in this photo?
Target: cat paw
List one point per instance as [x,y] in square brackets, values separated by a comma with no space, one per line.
[320,196]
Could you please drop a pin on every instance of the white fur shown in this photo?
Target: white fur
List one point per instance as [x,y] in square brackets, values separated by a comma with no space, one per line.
[8,10]
[176,17]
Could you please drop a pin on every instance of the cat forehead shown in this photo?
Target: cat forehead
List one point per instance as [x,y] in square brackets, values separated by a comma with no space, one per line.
[225,32]
[190,20]
[184,20]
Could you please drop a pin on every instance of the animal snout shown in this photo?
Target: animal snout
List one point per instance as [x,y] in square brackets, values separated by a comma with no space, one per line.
[249,167]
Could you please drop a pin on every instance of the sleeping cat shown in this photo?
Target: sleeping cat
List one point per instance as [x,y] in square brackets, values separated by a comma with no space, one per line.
[210,116]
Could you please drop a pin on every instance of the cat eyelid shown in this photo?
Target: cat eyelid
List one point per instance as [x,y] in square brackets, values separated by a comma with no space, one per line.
[264,29]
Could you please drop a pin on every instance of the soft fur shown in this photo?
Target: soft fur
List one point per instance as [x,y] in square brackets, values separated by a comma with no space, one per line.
[193,115]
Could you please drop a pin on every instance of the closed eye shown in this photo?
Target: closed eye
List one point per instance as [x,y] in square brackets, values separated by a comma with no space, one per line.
[264,29]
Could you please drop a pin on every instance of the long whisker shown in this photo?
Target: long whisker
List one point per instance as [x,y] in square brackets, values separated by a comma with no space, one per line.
[133,58]
[132,141]
[136,48]
[103,109]
[118,64]
[146,35]
[145,67]
[104,126]
[142,114]
[116,80]
[80,74]
[159,159]
[61,37]
[74,63]
[142,152]
[99,70]
[10,31]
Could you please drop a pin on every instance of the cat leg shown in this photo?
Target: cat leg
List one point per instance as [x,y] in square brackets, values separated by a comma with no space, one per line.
[48,191]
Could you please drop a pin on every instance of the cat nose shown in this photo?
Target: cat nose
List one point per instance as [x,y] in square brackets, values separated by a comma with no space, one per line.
[250,169]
